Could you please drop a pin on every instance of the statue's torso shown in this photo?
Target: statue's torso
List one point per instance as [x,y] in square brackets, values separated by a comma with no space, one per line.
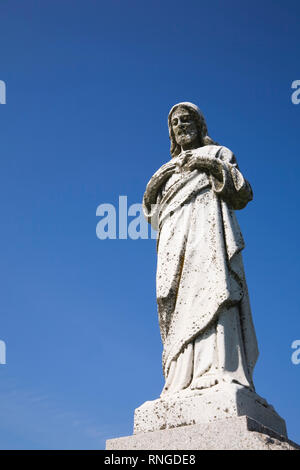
[209,150]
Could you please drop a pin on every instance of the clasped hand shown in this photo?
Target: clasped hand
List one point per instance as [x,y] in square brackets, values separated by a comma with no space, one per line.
[189,162]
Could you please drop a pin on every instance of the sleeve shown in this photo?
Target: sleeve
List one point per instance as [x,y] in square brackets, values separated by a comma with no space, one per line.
[153,193]
[233,188]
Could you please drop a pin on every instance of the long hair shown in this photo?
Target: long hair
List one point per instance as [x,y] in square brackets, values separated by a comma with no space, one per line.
[200,123]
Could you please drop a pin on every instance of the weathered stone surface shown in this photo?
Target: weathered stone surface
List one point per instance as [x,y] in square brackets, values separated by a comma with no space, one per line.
[241,433]
[217,403]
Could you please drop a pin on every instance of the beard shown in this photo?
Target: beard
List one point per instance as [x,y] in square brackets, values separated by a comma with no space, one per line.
[186,137]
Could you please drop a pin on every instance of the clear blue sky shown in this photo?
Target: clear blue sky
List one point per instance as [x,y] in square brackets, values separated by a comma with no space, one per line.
[89,87]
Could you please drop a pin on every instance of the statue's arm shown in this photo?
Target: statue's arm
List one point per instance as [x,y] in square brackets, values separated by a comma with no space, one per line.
[229,183]
[226,178]
[153,191]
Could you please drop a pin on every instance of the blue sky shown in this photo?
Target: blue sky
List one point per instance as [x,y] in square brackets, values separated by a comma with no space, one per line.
[89,87]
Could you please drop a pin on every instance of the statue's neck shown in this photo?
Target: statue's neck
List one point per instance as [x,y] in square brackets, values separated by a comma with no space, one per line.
[186,147]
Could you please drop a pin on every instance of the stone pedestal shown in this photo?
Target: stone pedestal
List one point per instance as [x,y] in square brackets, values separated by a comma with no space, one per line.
[226,416]
[228,434]
[197,407]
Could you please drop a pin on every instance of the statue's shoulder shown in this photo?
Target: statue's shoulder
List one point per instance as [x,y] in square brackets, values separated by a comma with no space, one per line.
[224,153]
[212,150]
[224,149]
[167,166]
[162,174]
[217,148]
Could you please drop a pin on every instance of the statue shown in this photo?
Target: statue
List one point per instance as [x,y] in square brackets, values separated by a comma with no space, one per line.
[203,304]
[209,344]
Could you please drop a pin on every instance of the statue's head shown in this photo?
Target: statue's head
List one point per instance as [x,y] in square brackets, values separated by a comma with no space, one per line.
[187,128]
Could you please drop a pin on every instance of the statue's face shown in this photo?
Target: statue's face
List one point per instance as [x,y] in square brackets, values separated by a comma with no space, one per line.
[185,128]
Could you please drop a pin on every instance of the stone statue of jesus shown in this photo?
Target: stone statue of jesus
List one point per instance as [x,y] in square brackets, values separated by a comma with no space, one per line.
[203,304]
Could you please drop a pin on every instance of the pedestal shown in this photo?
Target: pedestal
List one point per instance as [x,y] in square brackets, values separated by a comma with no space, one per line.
[197,407]
[226,416]
[228,434]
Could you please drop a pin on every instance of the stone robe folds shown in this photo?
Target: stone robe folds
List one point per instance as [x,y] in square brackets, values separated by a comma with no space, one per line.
[203,304]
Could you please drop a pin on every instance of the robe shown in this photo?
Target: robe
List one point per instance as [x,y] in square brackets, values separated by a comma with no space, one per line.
[203,304]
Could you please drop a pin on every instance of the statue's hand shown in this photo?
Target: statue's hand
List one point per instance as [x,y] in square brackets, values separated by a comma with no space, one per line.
[181,160]
[197,162]
[208,164]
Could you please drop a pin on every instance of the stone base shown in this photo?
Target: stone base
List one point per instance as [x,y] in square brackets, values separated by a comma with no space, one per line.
[220,402]
[228,434]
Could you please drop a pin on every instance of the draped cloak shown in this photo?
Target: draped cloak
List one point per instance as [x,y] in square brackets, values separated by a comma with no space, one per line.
[199,269]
